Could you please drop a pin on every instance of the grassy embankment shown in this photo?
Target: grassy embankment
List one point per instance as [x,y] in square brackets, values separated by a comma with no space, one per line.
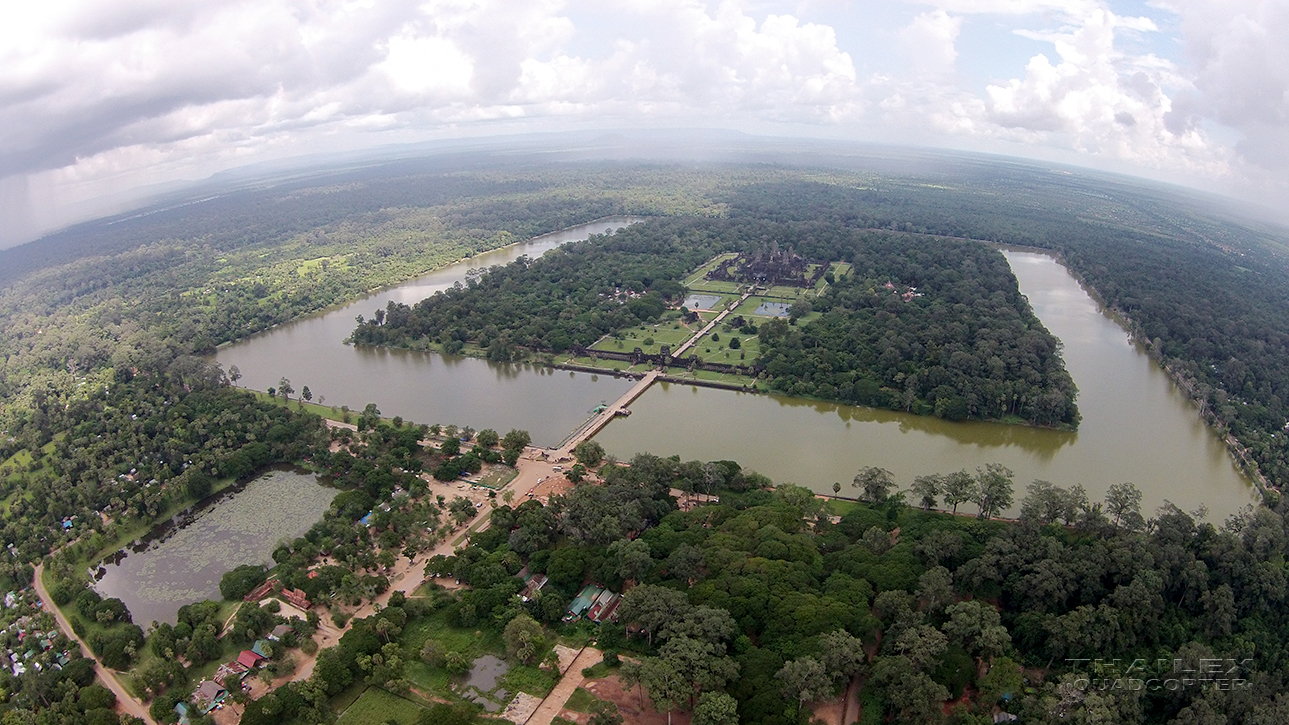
[360,704]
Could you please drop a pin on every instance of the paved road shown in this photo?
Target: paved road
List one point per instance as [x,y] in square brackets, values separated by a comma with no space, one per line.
[707,328]
[126,704]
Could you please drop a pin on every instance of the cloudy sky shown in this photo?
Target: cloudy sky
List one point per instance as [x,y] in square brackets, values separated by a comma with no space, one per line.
[100,98]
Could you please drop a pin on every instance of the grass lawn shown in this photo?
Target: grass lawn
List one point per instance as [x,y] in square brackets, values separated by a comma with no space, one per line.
[530,679]
[497,476]
[669,332]
[607,365]
[470,642]
[748,308]
[581,700]
[840,508]
[714,287]
[378,706]
[326,411]
[681,373]
[783,292]
[719,352]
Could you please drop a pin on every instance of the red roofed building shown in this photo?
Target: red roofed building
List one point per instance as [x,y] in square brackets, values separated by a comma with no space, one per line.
[248,659]
[297,598]
[259,592]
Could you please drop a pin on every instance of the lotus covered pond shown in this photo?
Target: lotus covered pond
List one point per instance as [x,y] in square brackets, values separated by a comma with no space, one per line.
[181,561]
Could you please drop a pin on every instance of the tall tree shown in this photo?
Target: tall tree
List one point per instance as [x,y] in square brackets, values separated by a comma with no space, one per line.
[716,708]
[652,607]
[874,483]
[666,687]
[841,654]
[959,487]
[926,489]
[804,680]
[1123,502]
[994,489]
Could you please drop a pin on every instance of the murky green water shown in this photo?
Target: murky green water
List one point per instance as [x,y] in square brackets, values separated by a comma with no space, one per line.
[1136,425]
[428,387]
[184,563]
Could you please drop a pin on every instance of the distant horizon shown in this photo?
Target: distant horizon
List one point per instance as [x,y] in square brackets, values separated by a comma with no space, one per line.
[160,197]
[103,106]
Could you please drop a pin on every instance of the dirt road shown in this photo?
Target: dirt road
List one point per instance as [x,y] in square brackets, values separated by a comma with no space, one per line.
[126,704]
[572,679]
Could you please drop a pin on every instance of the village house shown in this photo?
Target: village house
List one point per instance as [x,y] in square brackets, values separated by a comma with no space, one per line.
[296,598]
[208,694]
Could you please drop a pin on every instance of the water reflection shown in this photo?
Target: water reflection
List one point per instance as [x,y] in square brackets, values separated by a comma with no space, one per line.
[423,386]
[1136,426]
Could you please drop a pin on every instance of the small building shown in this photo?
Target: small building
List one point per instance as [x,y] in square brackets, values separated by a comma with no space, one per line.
[259,648]
[532,585]
[279,632]
[182,711]
[297,598]
[604,608]
[583,602]
[227,669]
[249,659]
[261,591]
[208,694]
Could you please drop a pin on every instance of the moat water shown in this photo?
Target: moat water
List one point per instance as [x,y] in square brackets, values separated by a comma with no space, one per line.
[1136,425]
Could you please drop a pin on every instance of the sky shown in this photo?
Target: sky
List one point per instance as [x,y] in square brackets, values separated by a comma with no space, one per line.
[102,101]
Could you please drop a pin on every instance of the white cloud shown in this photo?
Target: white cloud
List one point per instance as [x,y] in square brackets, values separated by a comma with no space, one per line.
[930,43]
[1240,51]
[1087,95]
[98,96]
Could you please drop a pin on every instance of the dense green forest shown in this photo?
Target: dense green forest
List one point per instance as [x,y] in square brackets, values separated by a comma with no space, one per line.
[572,295]
[967,347]
[110,423]
[769,601]
[140,291]
[1206,295]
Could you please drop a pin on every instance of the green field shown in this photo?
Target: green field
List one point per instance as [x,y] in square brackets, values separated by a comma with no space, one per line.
[715,287]
[581,700]
[713,376]
[720,351]
[472,643]
[378,706]
[668,332]
[469,642]
[783,292]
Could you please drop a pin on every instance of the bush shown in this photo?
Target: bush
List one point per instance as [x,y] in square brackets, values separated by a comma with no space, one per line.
[239,582]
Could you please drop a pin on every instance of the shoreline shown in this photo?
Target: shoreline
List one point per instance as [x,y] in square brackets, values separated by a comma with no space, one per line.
[360,296]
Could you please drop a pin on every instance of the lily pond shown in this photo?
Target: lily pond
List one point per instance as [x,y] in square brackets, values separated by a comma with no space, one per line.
[182,561]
